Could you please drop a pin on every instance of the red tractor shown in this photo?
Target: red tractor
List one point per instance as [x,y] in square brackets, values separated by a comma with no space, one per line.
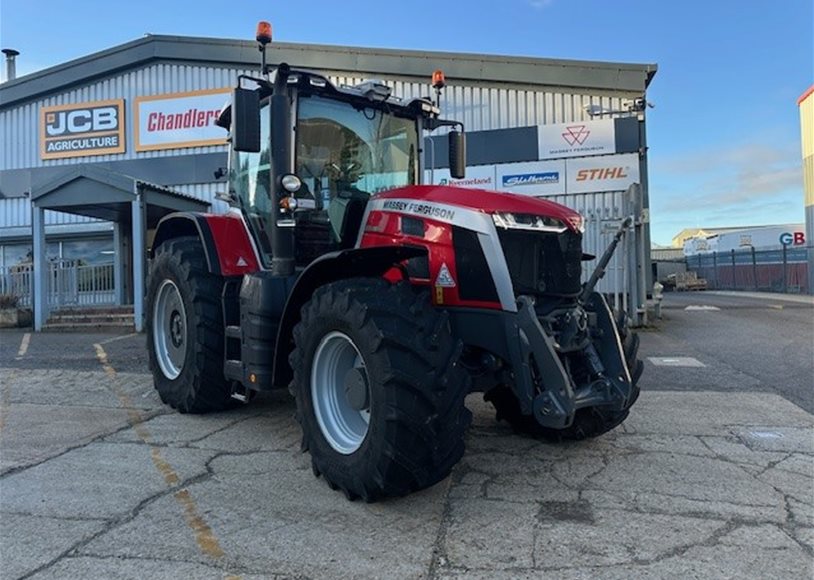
[379,302]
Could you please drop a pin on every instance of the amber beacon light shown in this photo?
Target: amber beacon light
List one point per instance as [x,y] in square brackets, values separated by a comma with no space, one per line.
[438,79]
[263,32]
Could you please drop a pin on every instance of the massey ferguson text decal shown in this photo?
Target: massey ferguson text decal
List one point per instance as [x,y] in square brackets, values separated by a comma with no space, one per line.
[95,128]
[179,120]
[418,208]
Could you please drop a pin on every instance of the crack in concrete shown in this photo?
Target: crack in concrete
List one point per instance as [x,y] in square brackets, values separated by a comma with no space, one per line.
[96,439]
[439,554]
[119,521]
[242,569]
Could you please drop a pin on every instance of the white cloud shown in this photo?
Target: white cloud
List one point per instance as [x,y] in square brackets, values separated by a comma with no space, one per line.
[749,184]
[728,178]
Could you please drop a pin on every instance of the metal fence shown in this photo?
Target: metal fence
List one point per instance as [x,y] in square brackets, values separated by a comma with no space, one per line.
[70,283]
[784,270]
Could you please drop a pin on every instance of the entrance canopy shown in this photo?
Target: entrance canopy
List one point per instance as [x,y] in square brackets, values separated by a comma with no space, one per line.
[132,204]
[99,193]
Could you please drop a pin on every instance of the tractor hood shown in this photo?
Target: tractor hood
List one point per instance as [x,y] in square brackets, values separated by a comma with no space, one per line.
[489,202]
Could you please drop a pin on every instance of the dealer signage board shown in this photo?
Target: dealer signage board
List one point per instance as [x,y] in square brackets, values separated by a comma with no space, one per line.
[180,120]
[576,139]
[596,174]
[82,129]
[477,177]
[532,178]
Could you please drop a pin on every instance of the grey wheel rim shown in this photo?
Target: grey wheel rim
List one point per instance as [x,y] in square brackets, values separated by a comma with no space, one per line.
[343,426]
[169,330]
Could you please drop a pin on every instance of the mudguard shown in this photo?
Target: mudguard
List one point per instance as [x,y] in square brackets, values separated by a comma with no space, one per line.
[374,261]
[225,240]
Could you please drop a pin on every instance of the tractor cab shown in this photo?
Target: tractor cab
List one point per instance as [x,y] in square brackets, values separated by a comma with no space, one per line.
[307,155]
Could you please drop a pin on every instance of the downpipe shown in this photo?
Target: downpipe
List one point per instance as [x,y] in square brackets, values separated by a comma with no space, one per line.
[601,267]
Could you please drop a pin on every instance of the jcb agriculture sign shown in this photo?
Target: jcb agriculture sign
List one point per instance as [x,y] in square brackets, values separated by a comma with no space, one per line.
[77,130]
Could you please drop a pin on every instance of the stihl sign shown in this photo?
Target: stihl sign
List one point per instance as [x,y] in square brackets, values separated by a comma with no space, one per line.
[180,120]
[598,174]
[606,173]
[94,128]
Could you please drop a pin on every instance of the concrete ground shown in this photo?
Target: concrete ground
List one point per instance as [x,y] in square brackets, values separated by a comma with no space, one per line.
[712,476]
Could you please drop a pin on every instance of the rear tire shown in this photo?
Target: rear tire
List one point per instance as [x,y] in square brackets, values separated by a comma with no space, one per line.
[589,422]
[404,430]
[185,329]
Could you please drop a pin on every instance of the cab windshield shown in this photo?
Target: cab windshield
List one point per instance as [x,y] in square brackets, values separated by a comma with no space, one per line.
[344,149]
[343,154]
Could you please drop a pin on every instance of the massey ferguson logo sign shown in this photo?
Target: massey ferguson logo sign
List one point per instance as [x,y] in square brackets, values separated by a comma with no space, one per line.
[576,139]
[95,128]
[180,120]
[576,135]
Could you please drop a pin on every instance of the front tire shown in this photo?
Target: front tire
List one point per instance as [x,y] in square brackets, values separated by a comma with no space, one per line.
[185,329]
[379,391]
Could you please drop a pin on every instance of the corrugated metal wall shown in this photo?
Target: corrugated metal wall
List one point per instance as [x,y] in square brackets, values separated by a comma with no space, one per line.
[603,214]
[207,192]
[16,212]
[480,107]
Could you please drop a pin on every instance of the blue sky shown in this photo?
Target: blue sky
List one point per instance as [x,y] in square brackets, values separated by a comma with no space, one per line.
[725,134]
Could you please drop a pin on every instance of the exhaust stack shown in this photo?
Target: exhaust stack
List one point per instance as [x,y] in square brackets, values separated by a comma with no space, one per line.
[11,65]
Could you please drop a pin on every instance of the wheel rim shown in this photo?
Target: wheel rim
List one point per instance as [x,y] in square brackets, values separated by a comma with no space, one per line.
[337,360]
[170,330]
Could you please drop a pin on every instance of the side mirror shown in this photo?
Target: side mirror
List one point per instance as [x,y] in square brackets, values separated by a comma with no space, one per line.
[457,154]
[246,120]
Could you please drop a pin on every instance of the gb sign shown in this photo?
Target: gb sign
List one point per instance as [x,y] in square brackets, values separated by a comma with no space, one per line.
[78,130]
[793,238]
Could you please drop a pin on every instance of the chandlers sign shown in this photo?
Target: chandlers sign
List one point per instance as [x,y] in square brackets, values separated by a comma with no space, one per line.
[95,128]
[578,139]
[179,120]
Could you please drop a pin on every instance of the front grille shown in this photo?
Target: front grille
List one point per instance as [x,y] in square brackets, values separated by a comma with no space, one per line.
[542,262]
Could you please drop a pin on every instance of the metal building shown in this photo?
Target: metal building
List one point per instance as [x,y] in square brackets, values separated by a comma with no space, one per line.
[806,104]
[138,116]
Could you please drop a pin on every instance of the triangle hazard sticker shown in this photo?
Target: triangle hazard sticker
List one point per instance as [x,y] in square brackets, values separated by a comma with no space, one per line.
[444,278]
[241,262]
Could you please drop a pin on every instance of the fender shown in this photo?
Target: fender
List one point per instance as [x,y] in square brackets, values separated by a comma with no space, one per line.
[373,261]
[225,240]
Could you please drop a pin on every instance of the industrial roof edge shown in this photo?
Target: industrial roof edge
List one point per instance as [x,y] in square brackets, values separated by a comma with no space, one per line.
[577,74]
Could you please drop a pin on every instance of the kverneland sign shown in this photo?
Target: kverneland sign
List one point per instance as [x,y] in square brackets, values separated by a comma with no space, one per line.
[179,120]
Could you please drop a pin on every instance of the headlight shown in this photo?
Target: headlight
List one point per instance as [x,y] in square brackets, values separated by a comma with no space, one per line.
[534,223]
[291,183]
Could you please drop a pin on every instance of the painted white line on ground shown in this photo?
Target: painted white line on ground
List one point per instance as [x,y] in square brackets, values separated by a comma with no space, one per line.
[109,340]
[24,345]
[701,307]
[675,361]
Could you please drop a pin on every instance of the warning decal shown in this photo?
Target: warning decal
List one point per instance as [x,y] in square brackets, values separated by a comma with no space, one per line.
[444,277]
